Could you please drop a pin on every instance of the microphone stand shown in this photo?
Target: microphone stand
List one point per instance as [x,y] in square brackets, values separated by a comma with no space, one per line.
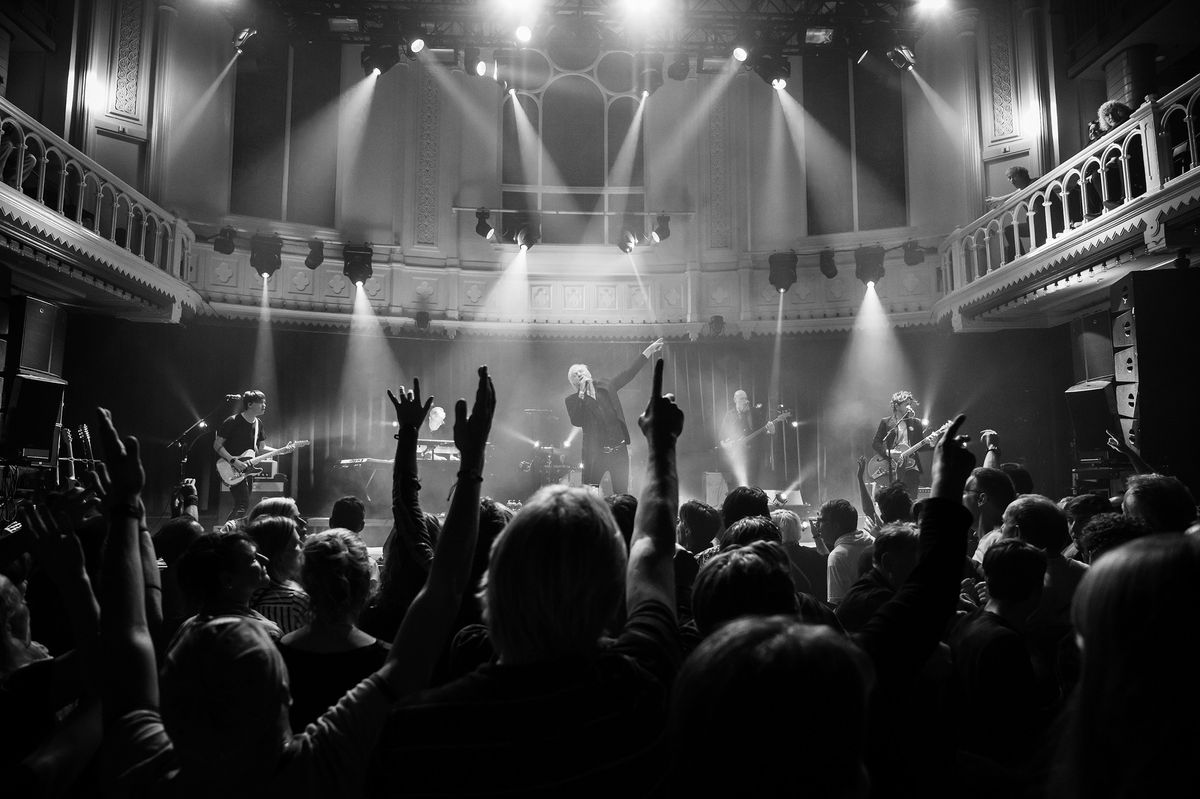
[178,442]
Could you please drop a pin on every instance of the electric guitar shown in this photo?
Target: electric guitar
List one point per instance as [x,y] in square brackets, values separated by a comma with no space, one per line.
[85,447]
[730,444]
[231,477]
[879,466]
[66,459]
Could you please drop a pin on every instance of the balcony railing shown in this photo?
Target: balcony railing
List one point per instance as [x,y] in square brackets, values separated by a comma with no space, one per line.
[1159,143]
[52,173]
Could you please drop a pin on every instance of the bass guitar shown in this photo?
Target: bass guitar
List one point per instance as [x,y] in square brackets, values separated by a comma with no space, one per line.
[733,443]
[879,466]
[231,477]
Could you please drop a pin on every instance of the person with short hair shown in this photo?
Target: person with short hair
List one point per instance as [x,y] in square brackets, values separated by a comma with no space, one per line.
[624,509]
[895,556]
[750,580]
[744,501]
[698,527]
[219,574]
[1037,520]
[838,526]
[810,562]
[897,432]
[239,434]
[1105,532]
[1080,510]
[348,513]
[994,678]
[1163,503]
[986,495]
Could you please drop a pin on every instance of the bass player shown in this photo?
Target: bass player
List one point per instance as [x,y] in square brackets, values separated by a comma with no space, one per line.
[898,432]
[742,454]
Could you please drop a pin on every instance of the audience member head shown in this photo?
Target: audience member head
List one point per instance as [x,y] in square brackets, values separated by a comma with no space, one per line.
[1163,503]
[744,501]
[1014,570]
[758,676]
[1132,723]
[279,506]
[348,513]
[754,580]
[1018,176]
[336,574]
[14,627]
[788,523]
[1022,480]
[555,577]
[1080,509]
[836,518]
[896,550]
[748,530]
[1112,114]
[1107,531]
[175,536]
[224,700]
[699,525]
[221,570]
[624,509]
[278,540]
[986,494]
[1037,520]
[895,504]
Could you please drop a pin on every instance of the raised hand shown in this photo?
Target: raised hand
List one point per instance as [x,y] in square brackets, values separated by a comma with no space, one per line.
[862,467]
[653,349]
[471,432]
[989,438]
[123,471]
[56,546]
[409,410]
[662,421]
[952,462]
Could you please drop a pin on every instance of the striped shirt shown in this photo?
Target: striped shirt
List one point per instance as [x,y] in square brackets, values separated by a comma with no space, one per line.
[286,606]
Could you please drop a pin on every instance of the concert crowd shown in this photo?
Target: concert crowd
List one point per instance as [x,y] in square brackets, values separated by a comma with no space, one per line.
[984,641]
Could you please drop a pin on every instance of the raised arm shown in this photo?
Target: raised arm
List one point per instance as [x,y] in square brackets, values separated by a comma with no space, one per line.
[129,680]
[650,575]
[864,496]
[991,440]
[902,633]
[412,534]
[620,380]
[427,625]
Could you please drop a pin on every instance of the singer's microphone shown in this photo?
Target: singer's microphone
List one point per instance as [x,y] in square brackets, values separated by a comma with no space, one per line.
[232,397]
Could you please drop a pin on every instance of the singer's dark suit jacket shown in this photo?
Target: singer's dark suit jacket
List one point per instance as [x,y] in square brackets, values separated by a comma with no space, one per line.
[885,437]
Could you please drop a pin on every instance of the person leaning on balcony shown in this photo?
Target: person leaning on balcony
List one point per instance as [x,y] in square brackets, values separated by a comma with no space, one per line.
[1019,177]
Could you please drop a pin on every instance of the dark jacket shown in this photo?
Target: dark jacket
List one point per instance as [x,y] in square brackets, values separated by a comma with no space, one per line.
[593,415]
[885,437]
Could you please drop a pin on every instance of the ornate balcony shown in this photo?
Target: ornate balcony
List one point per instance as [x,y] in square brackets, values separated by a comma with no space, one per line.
[1125,202]
[79,235]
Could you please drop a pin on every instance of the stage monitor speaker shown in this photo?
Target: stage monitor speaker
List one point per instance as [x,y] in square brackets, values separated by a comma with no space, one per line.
[1092,408]
[1092,344]
[31,417]
[37,332]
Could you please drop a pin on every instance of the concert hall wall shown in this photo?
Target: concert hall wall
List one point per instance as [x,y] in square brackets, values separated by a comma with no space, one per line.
[160,380]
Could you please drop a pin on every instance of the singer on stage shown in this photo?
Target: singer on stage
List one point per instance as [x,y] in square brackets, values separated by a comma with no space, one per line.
[237,435]
[898,432]
[596,408]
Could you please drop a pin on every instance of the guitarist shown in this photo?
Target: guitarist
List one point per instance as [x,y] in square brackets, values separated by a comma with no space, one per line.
[898,432]
[742,460]
[236,435]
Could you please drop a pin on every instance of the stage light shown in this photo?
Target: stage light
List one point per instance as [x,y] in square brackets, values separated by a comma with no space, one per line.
[795,424]
[774,68]
[782,270]
[527,237]
[828,263]
[316,254]
[862,56]
[901,57]
[931,6]
[474,62]
[662,228]
[356,260]
[482,227]
[524,34]
[680,67]
[422,320]
[740,53]
[265,256]
[650,78]
[243,36]
[628,241]
[201,424]
[415,45]
[868,264]
[377,59]
[716,325]
[818,35]
[224,242]
[914,253]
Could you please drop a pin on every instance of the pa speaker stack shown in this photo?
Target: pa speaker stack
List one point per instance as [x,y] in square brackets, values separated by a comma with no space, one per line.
[32,338]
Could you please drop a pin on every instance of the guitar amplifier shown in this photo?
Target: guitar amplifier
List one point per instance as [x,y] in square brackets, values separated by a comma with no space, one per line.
[263,488]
